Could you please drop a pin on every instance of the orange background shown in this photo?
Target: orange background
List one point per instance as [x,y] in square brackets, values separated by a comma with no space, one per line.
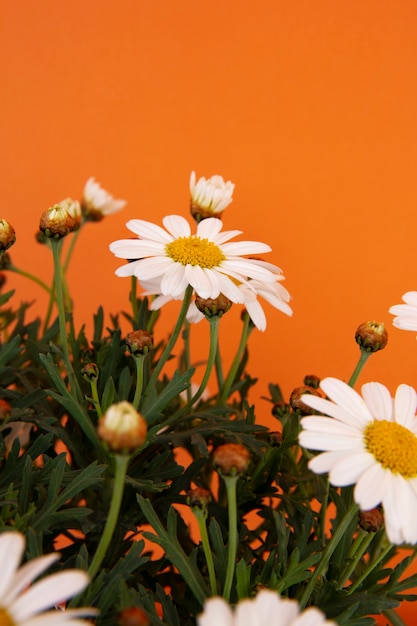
[308,107]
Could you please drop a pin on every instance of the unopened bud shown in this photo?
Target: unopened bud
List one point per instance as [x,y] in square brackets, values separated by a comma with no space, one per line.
[133,616]
[56,222]
[198,498]
[371,336]
[7,235]
[122,427]
[296,402]
[231,459]
[312,381]
[139,342]
[372,520]
[90,371]
[213,307]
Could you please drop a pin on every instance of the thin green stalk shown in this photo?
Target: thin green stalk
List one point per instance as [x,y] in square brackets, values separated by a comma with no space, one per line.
[393,617]
[134,301]
[121,463]
[231,482]
[96,399]
[371,566]
[35,279]
[74,236]
[172,340]
[201,516]
[219,368]
[187,355]
[327,553]
[214,335]
[364,356]
[224,393]
[358,549]
[139,363]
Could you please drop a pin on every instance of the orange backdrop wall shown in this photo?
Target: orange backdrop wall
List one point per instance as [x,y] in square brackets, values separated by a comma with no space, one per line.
[308,107]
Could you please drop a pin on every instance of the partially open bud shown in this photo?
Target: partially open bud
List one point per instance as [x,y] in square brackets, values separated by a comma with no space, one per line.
[122,427]
[231,459]
[96,202]
[296,402]
[371,336]
[74,209]
[210,197]
[198,498]
[90,371]
[139,342]
[372,520]
[213,307]
[7,235]
[56,222]
[133,616]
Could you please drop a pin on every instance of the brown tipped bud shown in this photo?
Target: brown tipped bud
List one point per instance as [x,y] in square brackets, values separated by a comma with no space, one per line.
[56,222]
[371,336]
[74,209]
[90,371]
[280,410]
[295,399]
[139,342]
[312,381]
[372,520]
[122,427]
[213,307]
[7,235]
[275,438]
[198,498]
[231,459]
[133,616]
[5,409]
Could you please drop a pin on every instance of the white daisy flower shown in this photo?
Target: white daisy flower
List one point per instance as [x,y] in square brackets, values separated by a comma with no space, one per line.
[369,441]
[97,202]
[406,313]
[23,604]
[268,608]
[209,197]
[175,258]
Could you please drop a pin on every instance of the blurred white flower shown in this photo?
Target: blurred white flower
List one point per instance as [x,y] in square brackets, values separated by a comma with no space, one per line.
[24,604]
[406,314]
[210,197]
[268,608]
[97,202]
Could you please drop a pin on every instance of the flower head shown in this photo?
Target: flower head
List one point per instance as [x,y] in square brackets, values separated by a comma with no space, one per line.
[232,459]
[406,314]
[210,197]
[369,441]
[21,604]
[122,427]
[97,202]
[371,336]
[7,235]
[268,608]
[173,259]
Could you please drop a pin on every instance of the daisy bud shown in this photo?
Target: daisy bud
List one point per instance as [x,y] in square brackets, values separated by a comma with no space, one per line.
[231,459]
[133,616]
[372,520]
[198,498]
[97,202]
[210,197]
[371,336]
[122,427]
[5,409]
[280,410]
[139,342]
[90,371]
[296,402]
[213,307]
[56,222]
[74,209]
[312,381]
[7,235]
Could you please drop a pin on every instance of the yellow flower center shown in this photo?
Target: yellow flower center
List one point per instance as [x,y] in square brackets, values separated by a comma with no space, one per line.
[394,446]
[5,619]
[195,251]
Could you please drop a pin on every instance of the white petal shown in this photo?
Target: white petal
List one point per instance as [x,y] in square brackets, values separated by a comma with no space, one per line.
[67,617]
[348,470]
[209,228]
[200,281]
[400,510]
[148,230]
[236,248]
[244,268]
[405,406]
[174,282]
[327,425]
[12,546]
[371,486]
[347,398]
[257,314]
[405,322]
[330,408]
[378,400]
[177,226]
[216,612]
[225,236]
[326,442]
[28,573]
[410,298]
[149,269]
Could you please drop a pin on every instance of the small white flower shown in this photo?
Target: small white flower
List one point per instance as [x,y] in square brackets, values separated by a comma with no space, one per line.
[23,604]
[97,202]
[406,313]
[369,442]
[268,608]
[173,258]
[210,197]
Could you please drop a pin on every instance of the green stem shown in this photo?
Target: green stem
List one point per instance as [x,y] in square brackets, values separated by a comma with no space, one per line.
[187,356]
[96,399]
[134,301]
[201,516]
[393,617]
[362,360]
[231,482]
[224,393]
[74,237]
[371,566]
[219,368]
[214,334]
[172,340]
[121,463]
[327,553]
[358,549]
[139,362]
[38,281]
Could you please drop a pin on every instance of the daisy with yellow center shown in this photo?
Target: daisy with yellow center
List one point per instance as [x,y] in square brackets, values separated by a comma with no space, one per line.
[23,603]
[406,314]
[173,258]
[369,441]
